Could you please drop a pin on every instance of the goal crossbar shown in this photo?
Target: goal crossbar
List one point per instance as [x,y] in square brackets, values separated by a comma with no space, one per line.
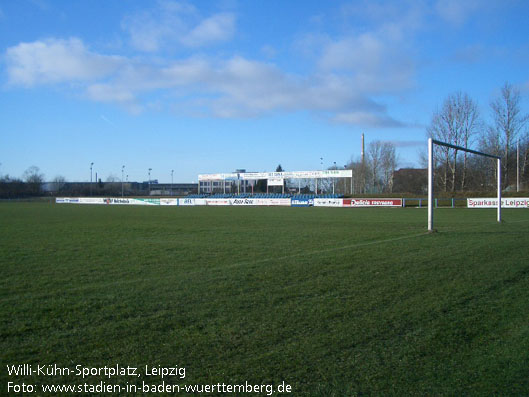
[431,142]
[439,143]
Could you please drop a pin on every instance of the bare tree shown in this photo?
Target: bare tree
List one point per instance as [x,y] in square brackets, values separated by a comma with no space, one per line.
[438,130]
[374,154]
[456,123]
[58,183]
[34,179]
[388,165]
[508,123]
[470,123]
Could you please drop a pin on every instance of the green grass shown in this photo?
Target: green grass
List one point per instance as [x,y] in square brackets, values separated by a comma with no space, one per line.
[334,302]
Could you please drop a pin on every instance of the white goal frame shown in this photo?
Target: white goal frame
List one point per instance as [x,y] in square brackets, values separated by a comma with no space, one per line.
[431,142]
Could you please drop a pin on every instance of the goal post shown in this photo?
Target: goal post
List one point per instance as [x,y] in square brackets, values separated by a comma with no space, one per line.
[432,142]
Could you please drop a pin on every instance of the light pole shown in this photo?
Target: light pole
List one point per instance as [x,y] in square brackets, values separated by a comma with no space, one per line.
[344,181]
[321,162]
[172,171]
[122,173]
[91,165]
[150,169]
[333,179]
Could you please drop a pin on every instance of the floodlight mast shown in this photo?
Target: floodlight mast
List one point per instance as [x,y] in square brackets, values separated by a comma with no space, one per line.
[430,176]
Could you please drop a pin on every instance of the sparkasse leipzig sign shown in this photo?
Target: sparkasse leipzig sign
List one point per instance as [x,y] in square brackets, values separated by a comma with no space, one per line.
[510,202]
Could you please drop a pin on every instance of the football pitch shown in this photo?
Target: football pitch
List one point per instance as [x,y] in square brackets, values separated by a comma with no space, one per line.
[331,302]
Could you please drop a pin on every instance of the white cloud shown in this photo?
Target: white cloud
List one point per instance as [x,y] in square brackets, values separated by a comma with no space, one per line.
[361,52]
[230,88]
[376,51]
[110,93]
[220,27]
[456,12]
[171,23]
[375,64]
[56,61]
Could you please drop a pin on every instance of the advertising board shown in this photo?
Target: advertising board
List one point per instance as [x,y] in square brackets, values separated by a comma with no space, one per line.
[305,202]
[131,201]
[373,202]
[91,200]
[506,202]
[110,200]
[168,201]
[261,201]
[241,201]
[328,202]
[281,175]
[275,181]
[217,177]
[218,201]
[67,200]
[191,201]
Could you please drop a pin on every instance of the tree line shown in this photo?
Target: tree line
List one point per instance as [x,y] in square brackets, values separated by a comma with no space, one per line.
[29,185]
[32,184]
[459,122]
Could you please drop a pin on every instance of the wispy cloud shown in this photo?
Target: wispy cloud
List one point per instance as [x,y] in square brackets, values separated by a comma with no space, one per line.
[368,119]
[219,27]
[456,12]
[170,23]
[106,120]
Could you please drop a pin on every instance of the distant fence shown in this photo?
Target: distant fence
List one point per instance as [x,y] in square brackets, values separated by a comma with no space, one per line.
[438,202]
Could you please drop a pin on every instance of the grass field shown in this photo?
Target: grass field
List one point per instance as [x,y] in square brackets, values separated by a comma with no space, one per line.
[334,302]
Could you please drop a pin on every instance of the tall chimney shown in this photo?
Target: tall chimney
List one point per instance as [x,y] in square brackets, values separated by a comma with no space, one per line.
[362,152]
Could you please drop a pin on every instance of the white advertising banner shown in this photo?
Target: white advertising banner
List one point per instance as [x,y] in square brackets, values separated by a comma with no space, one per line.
[166,201]
[218,201]
[68,200]
[261,201]
[275,181]
[506,202]
[217,177]
[241,201]
[131,201]
[108,200]
[278,175]
[277,201]
[186,201]
[80,200]
[298,174]
[328,202]
[91,200]
[191,201]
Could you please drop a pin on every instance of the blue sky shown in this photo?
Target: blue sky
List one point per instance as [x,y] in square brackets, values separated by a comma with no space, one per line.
[207,87]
